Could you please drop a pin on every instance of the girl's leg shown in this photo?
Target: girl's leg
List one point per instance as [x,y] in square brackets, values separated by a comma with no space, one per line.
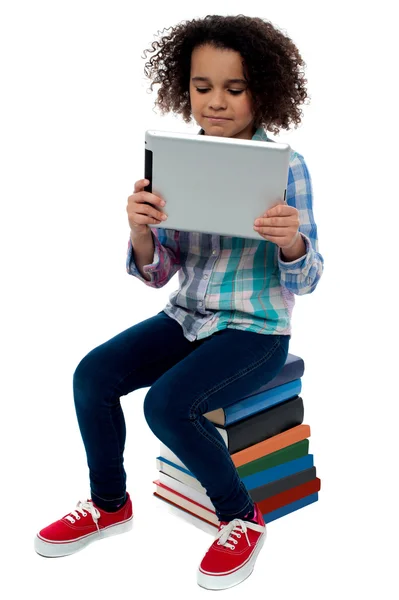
[228,366]
[129,361]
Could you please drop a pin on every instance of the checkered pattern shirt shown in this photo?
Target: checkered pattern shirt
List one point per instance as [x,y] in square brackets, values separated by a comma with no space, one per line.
[234,282]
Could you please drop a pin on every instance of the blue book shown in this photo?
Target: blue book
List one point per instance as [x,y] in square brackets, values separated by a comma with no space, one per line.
[290,508]
[274,473]
[251,481]
[162,459]
[294,368]
[257,403]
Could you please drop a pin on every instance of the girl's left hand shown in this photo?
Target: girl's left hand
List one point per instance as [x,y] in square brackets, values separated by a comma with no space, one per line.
[279,225]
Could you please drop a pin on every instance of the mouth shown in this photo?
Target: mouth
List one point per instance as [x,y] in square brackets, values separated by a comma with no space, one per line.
[217,119]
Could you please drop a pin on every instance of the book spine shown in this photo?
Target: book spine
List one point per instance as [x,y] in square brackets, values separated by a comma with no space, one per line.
[259,402]
[294,368]
[264,425]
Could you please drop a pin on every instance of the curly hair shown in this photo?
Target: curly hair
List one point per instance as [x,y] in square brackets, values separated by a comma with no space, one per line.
[271,62]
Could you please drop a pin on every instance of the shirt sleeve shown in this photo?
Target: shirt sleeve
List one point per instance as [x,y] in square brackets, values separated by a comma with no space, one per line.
[302,275]
[166,260]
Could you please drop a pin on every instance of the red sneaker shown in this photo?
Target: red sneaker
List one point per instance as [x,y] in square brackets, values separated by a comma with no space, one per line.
[232,556]
[86,524]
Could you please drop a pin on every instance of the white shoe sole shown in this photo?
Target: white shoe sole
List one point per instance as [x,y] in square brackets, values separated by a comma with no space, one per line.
[222,582]
[50,549]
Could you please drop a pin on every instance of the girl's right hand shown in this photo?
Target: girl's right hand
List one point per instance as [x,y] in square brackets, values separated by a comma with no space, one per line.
[139,210]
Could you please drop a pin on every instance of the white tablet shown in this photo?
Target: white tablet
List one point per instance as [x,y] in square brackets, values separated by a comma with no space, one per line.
[213,184]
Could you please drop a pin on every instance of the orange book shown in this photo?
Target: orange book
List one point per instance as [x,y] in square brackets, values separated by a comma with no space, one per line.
[282,440]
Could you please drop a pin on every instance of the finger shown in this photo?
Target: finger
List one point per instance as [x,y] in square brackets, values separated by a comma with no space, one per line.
[143,219]
[140,185]
[271,222]
[286,221]
[150,199]
[271,231]
[152,212]
[280,210]
[278,240]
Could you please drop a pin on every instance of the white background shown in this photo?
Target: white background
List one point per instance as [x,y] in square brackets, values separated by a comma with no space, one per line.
[74,109]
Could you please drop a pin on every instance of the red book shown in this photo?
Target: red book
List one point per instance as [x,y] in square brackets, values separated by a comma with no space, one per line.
[296,493]
[209,516]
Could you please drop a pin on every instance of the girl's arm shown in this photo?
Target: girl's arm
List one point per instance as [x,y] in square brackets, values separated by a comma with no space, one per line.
[302,275]
[166,260]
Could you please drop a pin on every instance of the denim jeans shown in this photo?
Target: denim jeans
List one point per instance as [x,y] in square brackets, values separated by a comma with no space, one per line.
[186,380]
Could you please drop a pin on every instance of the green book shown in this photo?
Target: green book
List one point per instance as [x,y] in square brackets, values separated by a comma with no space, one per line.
[275,458]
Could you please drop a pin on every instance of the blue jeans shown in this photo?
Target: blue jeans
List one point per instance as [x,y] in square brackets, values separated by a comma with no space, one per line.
[186,380]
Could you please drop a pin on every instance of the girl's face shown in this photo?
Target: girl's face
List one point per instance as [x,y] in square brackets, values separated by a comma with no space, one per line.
[214,93]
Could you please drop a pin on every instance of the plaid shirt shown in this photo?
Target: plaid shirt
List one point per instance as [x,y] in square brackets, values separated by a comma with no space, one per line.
[234,282]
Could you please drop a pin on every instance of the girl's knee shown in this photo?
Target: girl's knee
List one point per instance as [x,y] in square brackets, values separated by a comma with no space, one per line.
[85,377]
[152,408]
[157,411]
[165,411]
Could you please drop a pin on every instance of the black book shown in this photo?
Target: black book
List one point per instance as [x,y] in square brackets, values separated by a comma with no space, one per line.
[263,425]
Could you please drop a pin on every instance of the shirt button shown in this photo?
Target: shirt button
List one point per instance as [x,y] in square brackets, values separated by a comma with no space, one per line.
[205,276]
[200,303]
[214,252]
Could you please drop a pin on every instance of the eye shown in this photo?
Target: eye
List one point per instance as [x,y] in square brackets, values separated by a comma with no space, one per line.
[233,92]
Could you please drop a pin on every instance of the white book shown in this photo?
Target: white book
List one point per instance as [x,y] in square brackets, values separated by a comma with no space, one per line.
[188,505]
[186,490]
[178,474]
[169,455]
[224,435]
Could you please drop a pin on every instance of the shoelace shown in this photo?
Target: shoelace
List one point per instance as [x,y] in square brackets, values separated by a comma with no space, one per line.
[227,532]
[81,507]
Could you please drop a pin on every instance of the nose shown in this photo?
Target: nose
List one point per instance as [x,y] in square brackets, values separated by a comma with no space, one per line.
[217,100]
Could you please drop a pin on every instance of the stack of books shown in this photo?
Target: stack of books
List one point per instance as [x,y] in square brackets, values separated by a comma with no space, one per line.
[268,443]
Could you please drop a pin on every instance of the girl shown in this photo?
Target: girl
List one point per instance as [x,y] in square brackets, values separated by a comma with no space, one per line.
[225,332]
